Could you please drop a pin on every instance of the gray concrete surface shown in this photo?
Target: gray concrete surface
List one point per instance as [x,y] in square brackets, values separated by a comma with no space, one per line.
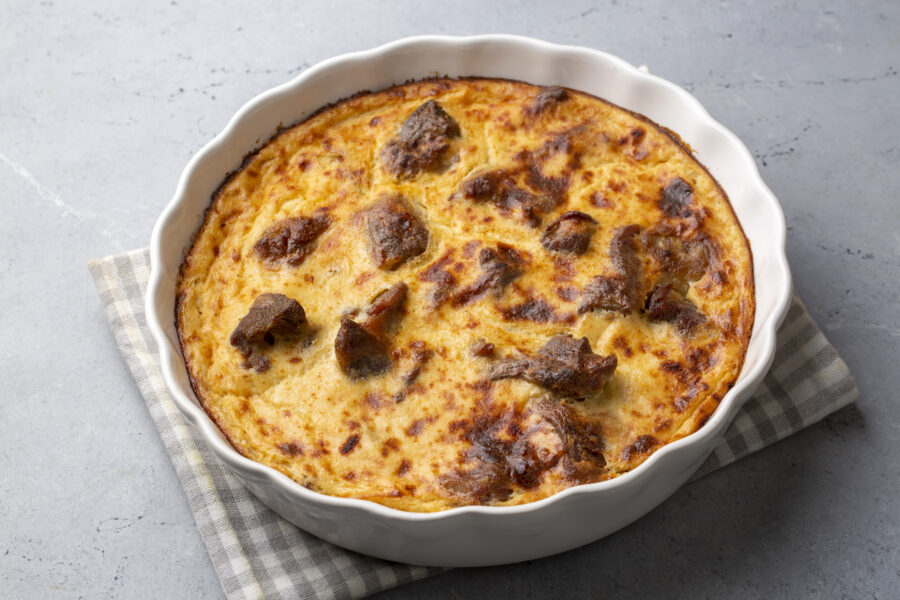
[102,104]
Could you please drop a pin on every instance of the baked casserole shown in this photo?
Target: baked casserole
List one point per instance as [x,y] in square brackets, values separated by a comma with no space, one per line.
[465,291]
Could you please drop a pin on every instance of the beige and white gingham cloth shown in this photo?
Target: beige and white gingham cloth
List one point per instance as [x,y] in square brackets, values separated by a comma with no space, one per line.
[258,555]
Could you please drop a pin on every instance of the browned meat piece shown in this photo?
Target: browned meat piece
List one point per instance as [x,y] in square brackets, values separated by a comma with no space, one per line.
[444,281]
[685,259]
[537,310]
[270,316]
[571,233]
[665,304]
[676,198]
[290,240]
[623,253]
[482,348]
[395,233]
[422,140]
[386,309]
[581,436]
[564,365]
[362,350]
[484,187]
[622,291]
[499,268]
[607,293]
[360,353]
[546,98]
[499,187]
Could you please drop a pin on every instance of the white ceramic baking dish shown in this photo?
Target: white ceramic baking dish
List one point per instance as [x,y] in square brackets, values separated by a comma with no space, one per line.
[476,535]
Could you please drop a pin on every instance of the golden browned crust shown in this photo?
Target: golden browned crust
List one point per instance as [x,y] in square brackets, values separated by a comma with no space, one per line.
[451,242]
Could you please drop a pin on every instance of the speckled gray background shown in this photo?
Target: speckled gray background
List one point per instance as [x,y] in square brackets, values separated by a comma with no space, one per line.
[102,104]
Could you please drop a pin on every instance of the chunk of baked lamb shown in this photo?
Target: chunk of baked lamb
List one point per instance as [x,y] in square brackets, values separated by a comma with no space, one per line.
[667,305]
[500,188]
[291,240]
[571,233]
[395,233]
[421,141]
[546,99]
[270,316]
[386,308]
[363,349]
[564,365]
[499,267]
[360,353]
[621,291]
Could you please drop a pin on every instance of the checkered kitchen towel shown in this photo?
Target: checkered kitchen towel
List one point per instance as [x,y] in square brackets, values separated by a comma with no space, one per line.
[259,555]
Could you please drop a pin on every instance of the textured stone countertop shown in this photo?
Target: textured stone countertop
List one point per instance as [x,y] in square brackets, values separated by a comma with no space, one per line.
[101,106]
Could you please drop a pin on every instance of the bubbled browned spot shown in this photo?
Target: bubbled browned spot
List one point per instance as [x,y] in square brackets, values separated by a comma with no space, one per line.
[418,426]
[601,201]
[632,144]
[641,445]
[620,343]
[403,468]
[389,445]
[291,449]
[350,444]
[321,449]
[375,399]
[419,354]
[670,366]
[567,293]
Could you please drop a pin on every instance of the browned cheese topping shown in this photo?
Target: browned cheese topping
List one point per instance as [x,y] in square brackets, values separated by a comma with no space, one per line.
[459,292]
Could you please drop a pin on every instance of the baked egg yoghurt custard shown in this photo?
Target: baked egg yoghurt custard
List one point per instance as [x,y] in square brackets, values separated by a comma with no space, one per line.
[465,291]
